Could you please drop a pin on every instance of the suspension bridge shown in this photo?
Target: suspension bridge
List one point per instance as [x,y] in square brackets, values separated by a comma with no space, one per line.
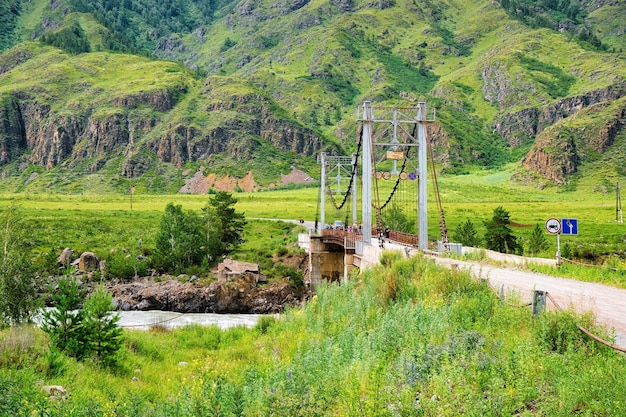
[390,169]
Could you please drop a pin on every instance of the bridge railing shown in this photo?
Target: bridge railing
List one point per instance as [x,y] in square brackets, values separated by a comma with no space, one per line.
[342,237]
[349,239]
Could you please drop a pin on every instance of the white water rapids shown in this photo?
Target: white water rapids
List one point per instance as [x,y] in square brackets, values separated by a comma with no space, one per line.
[143,320]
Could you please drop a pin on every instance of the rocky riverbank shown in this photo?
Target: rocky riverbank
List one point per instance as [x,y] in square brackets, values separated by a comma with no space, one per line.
[239,295]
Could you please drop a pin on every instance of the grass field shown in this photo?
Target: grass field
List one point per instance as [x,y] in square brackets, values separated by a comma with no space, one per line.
[101,222]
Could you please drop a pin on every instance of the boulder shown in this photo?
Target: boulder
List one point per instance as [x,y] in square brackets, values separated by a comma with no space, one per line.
[88,262]
[54,390]
[65,259]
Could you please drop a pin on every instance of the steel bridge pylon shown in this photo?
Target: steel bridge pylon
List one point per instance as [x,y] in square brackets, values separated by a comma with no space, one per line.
[341,167]
[400,121]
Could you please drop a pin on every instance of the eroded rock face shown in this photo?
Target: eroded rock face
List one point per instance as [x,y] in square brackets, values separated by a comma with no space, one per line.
[558,151]
[241,295]
[522,127]
[50,138]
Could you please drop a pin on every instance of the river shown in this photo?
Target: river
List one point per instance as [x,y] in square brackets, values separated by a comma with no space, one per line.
[143,320]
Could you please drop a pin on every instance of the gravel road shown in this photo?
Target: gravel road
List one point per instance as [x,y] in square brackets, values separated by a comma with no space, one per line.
[607,303]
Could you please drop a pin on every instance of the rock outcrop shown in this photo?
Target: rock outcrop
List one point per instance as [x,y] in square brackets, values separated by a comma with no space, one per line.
[559,149]
[49,136]
[241,295]
[521,128]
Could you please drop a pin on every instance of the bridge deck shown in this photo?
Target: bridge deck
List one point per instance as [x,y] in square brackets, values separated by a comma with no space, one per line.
[348,239]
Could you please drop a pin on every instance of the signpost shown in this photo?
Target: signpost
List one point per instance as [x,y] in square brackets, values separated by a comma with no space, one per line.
[553,226]
[557,227]
[569,226]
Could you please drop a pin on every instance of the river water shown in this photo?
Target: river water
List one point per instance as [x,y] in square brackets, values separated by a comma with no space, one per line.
[143,320]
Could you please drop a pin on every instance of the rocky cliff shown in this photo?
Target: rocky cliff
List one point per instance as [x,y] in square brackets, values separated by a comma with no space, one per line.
[145,128]
[559,149]
[521,128]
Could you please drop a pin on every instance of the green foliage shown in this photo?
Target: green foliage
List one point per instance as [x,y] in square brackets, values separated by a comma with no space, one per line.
[228,43]
[180,241]
[83,328]
[140,22]
[557,331]
[466,234]
[440,344]
[103,336]
[9,13]
[550,13]
[125,266]
[19,346]
[70,38]
[499,236]
[64,323]
[478,143]
[553,79]
[19,285]
[395,219]
[449,40]
[537,241]
[224,224]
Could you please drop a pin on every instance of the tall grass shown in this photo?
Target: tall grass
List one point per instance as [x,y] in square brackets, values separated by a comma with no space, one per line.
[405,338]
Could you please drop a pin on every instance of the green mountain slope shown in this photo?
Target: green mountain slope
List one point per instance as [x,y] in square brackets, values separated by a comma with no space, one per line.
[269,84]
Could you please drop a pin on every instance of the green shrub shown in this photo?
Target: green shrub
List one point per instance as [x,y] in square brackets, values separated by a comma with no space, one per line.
[122,265]
[557,331]
[264,323]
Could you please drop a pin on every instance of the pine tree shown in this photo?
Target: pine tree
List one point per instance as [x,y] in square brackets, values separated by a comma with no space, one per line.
[225,225]
[537,240]
[466,234]
[64,322]
[499,236]
[103,336]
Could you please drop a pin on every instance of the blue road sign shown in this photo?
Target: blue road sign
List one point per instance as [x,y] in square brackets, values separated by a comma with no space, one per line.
[569,226]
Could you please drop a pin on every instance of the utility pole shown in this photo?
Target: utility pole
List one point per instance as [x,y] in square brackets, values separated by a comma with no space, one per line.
[618,205]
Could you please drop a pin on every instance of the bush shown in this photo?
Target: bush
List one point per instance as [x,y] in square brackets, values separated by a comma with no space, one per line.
[125,266]
[180,241]
[19,285]
[557,331]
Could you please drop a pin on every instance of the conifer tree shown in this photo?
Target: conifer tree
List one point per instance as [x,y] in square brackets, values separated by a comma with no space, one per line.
[224,224]
[103,337]
[499,236]
[537,240]
[64,322]
[466,234]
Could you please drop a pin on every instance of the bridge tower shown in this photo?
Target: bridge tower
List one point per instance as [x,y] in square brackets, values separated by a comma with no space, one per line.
[407,128]
[339,169]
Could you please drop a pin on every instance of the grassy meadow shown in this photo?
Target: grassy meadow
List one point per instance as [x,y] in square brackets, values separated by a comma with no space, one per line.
[100,222]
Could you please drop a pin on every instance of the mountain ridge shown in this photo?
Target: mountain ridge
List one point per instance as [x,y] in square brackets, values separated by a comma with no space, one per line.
[263,86]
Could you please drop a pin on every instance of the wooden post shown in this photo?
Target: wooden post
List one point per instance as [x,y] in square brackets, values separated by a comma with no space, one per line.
[539,302]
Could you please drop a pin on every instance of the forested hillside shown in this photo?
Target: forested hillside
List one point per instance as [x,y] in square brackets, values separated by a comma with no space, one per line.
[90,93]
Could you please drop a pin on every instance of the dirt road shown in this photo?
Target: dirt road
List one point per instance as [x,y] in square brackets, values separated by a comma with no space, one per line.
[607,303]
